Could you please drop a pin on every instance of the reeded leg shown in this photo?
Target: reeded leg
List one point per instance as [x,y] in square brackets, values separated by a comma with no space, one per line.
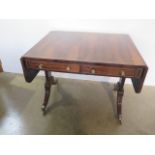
[49,81]
[119,87]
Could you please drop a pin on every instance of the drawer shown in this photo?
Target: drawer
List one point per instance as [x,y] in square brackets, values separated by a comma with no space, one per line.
[53,66]
[104,70]
[110,71]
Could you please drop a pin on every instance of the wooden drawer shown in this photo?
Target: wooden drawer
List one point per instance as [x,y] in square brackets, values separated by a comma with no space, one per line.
[111,71]
[104,70]
[53,66]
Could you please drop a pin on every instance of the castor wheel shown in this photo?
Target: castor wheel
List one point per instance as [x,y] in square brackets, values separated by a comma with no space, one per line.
[44,109]
[120,118]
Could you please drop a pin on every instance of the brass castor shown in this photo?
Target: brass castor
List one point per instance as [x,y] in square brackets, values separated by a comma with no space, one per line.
[120,118]
[44,109]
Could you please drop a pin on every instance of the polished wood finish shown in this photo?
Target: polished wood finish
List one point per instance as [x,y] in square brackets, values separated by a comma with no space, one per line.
[49,81]
[54,66]
[86,53]
[1,68]
[119,87]
[87,47]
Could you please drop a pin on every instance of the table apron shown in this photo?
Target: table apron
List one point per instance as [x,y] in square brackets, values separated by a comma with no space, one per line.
[80,68]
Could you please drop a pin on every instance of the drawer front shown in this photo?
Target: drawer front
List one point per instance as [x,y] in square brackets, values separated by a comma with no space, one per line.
[85,68]
[53,66]
[108,70]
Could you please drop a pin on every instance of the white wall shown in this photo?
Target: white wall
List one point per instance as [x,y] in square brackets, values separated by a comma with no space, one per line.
[17,36]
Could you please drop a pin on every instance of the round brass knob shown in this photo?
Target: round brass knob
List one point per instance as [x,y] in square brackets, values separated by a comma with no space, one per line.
[40,66]
[122,73]
[68,68]
[93,71]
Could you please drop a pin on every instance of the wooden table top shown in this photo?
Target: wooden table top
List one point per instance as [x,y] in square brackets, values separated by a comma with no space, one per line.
[88,48]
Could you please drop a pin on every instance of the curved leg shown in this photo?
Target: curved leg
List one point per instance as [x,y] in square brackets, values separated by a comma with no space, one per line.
[49,81]
[119,87]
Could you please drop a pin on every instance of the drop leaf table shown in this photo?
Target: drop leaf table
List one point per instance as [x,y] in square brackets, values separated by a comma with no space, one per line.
[113,55]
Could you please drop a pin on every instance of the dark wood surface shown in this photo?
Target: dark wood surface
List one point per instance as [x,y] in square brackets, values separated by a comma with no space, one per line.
[87,47]
[86,53]
[101,54]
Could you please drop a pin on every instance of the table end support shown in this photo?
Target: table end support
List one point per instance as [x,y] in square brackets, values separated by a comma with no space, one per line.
[119,87]
[49,81]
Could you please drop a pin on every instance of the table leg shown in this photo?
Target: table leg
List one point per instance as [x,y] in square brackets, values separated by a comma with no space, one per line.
[1,68]
[119,87]
[49,81]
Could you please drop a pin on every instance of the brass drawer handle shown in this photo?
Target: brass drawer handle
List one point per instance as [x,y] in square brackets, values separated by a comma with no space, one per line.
[68,68]
[122,73]
[40,66]
[93,71]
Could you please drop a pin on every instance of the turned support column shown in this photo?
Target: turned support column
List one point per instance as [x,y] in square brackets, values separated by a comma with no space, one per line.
[49,80]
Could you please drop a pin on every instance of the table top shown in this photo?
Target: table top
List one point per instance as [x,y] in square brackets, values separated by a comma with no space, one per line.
[87,47]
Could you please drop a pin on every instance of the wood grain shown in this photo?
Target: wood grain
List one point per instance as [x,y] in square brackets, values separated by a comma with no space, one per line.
[86,53]
[87,47]
[101,54]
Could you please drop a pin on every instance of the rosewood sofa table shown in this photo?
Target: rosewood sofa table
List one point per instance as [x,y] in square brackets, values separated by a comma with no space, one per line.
[113,55]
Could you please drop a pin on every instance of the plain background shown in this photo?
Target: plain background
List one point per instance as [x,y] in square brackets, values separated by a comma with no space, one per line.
[18,36]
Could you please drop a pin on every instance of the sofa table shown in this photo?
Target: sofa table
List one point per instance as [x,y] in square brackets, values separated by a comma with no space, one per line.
[113,55]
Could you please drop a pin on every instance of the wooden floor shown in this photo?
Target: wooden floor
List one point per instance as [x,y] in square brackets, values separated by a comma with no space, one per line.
[75,107]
